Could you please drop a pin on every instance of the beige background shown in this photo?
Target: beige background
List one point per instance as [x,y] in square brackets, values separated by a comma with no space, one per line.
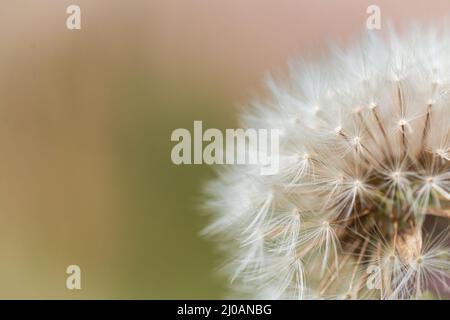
[85,123]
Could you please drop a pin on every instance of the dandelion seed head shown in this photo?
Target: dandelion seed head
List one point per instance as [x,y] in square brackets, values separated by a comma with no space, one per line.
[364,177]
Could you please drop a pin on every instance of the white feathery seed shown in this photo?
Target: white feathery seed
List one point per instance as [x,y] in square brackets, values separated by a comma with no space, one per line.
[364,178]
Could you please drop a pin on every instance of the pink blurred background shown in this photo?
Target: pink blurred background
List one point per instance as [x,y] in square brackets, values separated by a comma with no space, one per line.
[86,118]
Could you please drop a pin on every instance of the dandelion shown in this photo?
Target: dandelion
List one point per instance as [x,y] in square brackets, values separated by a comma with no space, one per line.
[364,178]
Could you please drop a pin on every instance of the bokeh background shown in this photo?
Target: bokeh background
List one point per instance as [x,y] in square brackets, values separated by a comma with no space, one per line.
[85,123]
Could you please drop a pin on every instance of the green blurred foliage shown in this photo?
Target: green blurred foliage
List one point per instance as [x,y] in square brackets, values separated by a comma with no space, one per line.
[162,215]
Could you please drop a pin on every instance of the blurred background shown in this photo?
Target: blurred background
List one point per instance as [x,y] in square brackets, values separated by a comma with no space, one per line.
[85,122]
